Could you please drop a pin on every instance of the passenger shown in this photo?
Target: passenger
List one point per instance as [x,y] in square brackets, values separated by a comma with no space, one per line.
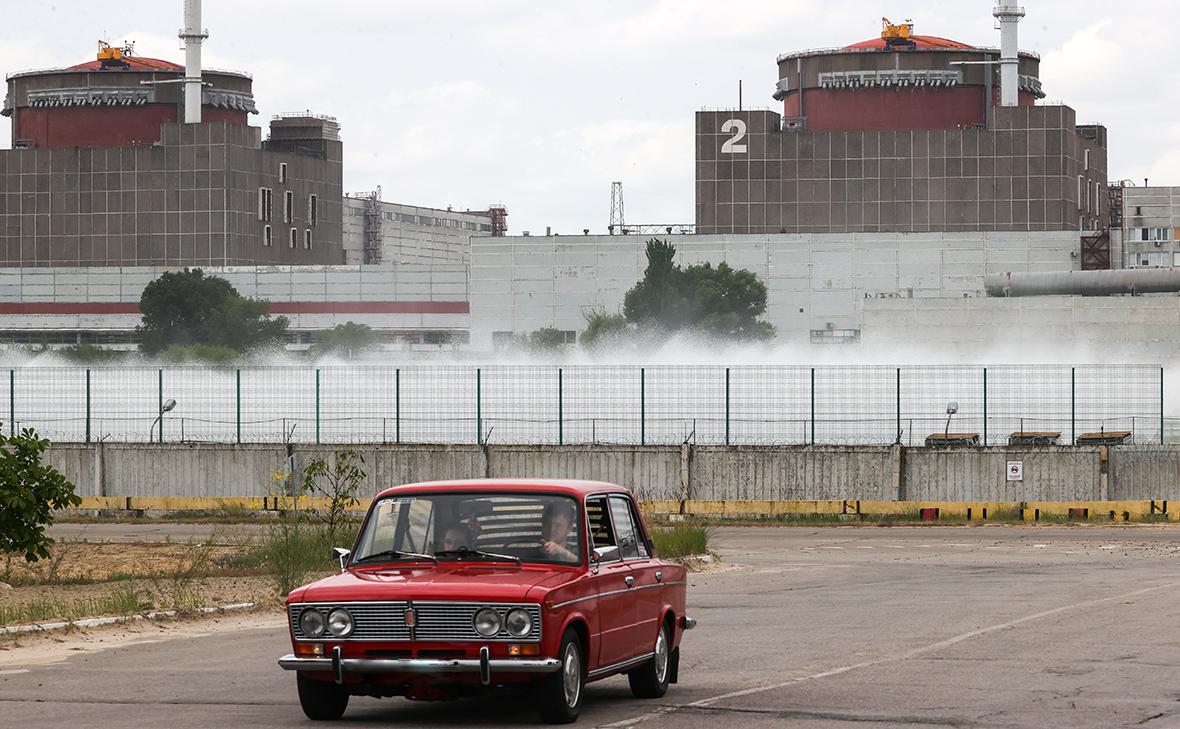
[456,537]
[557,520]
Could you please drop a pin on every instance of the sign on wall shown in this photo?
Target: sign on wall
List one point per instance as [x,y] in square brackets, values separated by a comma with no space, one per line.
[1015,470]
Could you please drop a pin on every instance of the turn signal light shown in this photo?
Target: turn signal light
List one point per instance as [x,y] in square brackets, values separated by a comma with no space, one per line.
[309,649]
[531,649]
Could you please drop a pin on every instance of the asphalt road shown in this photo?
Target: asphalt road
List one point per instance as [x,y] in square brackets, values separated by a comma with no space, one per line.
[836,627]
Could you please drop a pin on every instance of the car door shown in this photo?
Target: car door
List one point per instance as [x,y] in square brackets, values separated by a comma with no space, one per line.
[613,583]
[645,587]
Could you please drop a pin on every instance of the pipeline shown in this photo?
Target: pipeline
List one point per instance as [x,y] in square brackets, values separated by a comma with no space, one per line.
[1084,283]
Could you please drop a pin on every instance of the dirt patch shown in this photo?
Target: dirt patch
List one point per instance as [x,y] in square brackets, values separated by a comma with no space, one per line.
[74,562]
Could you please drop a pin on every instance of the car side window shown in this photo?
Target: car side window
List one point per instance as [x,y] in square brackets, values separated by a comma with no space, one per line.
[641,537]
[621,511]
[601,532]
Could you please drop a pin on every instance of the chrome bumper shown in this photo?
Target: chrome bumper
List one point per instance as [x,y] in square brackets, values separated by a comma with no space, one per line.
[688,623]
[484,665]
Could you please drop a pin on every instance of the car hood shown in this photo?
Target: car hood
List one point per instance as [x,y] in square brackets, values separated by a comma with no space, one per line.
[447,581]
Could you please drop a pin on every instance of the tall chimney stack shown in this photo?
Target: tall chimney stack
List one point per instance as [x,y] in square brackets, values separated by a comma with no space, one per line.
[192,36]
[1009,17]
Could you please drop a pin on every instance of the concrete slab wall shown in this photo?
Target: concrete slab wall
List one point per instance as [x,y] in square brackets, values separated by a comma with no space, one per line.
[718,472]
[1145,472]
[654,472]
[980,474]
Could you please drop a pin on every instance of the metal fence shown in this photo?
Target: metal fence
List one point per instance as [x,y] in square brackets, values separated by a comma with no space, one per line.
[755,405]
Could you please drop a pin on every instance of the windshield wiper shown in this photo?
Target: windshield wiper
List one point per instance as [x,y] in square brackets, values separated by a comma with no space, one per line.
[463,552]
[394,554]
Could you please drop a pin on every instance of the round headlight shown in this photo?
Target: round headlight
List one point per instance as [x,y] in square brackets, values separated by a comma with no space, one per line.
[487,623]
[519,623]
[311,622]
[340,622]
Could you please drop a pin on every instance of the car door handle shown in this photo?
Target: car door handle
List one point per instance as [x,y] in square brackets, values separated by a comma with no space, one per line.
[659,577]
[629,580]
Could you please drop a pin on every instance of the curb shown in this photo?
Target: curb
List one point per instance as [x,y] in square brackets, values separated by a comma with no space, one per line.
[96,622]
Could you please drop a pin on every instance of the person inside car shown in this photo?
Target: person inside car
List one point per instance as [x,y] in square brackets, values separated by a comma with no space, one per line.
[455,537]
[556,522]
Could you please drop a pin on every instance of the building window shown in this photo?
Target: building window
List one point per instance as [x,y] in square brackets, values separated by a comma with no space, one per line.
[294,238]
[1086,159]
[313,209]
[1151,234]
[267,239]
[288,206]
[1081,182]
[283,171]
[307,239]
[265,199]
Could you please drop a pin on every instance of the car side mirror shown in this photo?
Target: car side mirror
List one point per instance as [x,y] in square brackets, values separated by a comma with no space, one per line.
[341,554]
[605,554]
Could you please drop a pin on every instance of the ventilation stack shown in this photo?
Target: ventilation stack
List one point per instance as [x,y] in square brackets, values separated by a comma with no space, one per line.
[1008,17]
[192,36]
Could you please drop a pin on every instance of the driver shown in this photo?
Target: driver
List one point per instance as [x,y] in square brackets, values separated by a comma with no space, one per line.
[455,537]
[556,521]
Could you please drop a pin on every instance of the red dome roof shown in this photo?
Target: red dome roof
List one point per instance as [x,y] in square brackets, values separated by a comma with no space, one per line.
[922,41]
[134,63]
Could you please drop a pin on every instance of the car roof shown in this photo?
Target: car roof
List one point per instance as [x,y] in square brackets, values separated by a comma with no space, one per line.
[573,487]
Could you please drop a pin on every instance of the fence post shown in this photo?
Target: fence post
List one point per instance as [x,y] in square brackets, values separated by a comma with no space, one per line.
[560,411]
[812,406]
[1073,412]
[238,402]
[12,403]
[642,406]
[87,405]
[726,406]
[898,441]
[160,404]
[317,405]
[985,407]
[397,405]
[1161,405]
[478,406]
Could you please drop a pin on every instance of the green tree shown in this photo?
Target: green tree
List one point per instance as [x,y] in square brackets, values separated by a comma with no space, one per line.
[602,327]
[546,339]
[188,307]
[349,337]
[30,491]
[720,300]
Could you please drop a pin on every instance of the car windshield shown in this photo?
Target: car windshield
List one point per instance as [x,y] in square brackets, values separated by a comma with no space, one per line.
[508,527]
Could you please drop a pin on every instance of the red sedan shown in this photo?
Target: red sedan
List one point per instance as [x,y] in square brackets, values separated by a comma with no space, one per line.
[460,587]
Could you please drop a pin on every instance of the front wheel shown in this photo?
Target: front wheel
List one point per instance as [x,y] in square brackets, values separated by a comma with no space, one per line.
[650,681]
[321,701]
[560,693]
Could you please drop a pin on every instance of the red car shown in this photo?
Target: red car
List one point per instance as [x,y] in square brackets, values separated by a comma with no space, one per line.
[460,587]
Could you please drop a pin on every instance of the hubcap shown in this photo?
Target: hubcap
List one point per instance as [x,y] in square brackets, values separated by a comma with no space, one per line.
[661,656]
[571,679]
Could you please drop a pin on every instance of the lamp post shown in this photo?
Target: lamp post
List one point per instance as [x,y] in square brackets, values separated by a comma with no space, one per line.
[168,405]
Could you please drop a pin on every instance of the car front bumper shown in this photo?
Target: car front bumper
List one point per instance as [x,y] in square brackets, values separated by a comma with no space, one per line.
[485,666]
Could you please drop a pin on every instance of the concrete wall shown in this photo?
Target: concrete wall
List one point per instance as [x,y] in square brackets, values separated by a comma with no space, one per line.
[1146,327]
[815,282]
[414,234]
[1145,472]
[817,472]
[980,474]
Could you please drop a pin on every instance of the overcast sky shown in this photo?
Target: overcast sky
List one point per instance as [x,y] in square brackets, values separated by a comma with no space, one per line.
[540,105]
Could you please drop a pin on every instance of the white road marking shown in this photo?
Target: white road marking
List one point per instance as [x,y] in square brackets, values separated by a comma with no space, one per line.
[912,653]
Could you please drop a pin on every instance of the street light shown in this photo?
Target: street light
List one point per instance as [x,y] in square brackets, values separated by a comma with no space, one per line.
[168,405]
[951,408]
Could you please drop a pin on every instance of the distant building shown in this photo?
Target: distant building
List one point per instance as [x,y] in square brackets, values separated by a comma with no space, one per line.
[376,231]
[1150,226]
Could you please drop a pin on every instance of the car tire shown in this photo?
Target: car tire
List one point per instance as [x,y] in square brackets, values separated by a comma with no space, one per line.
[321,701]
[650,681]
[559,694]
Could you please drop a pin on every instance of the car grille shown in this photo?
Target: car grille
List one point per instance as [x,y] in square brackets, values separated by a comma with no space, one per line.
[436,621]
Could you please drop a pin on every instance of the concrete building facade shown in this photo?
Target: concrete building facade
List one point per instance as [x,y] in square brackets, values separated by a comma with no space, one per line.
[211,194]
[411,234]
[1150,226]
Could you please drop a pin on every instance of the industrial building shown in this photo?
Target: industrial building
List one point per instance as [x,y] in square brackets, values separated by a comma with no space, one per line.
[903,133]
[376,231]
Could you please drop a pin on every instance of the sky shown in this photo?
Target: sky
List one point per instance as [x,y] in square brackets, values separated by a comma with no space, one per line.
[541,105]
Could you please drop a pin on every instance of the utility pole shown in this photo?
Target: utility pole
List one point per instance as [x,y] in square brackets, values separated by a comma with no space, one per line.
[616,209]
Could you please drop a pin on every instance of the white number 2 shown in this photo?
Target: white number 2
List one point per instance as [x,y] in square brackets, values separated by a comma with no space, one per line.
[738,128]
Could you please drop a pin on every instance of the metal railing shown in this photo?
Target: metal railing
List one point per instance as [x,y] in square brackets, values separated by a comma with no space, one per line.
[741,405]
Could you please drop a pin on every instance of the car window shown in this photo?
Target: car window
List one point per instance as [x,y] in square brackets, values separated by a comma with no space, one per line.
[533,527]
[601,531]
[628,544]
[641,537]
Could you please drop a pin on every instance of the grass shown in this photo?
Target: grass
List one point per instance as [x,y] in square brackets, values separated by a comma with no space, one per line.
[290,553]
[121,601]
[681,540]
